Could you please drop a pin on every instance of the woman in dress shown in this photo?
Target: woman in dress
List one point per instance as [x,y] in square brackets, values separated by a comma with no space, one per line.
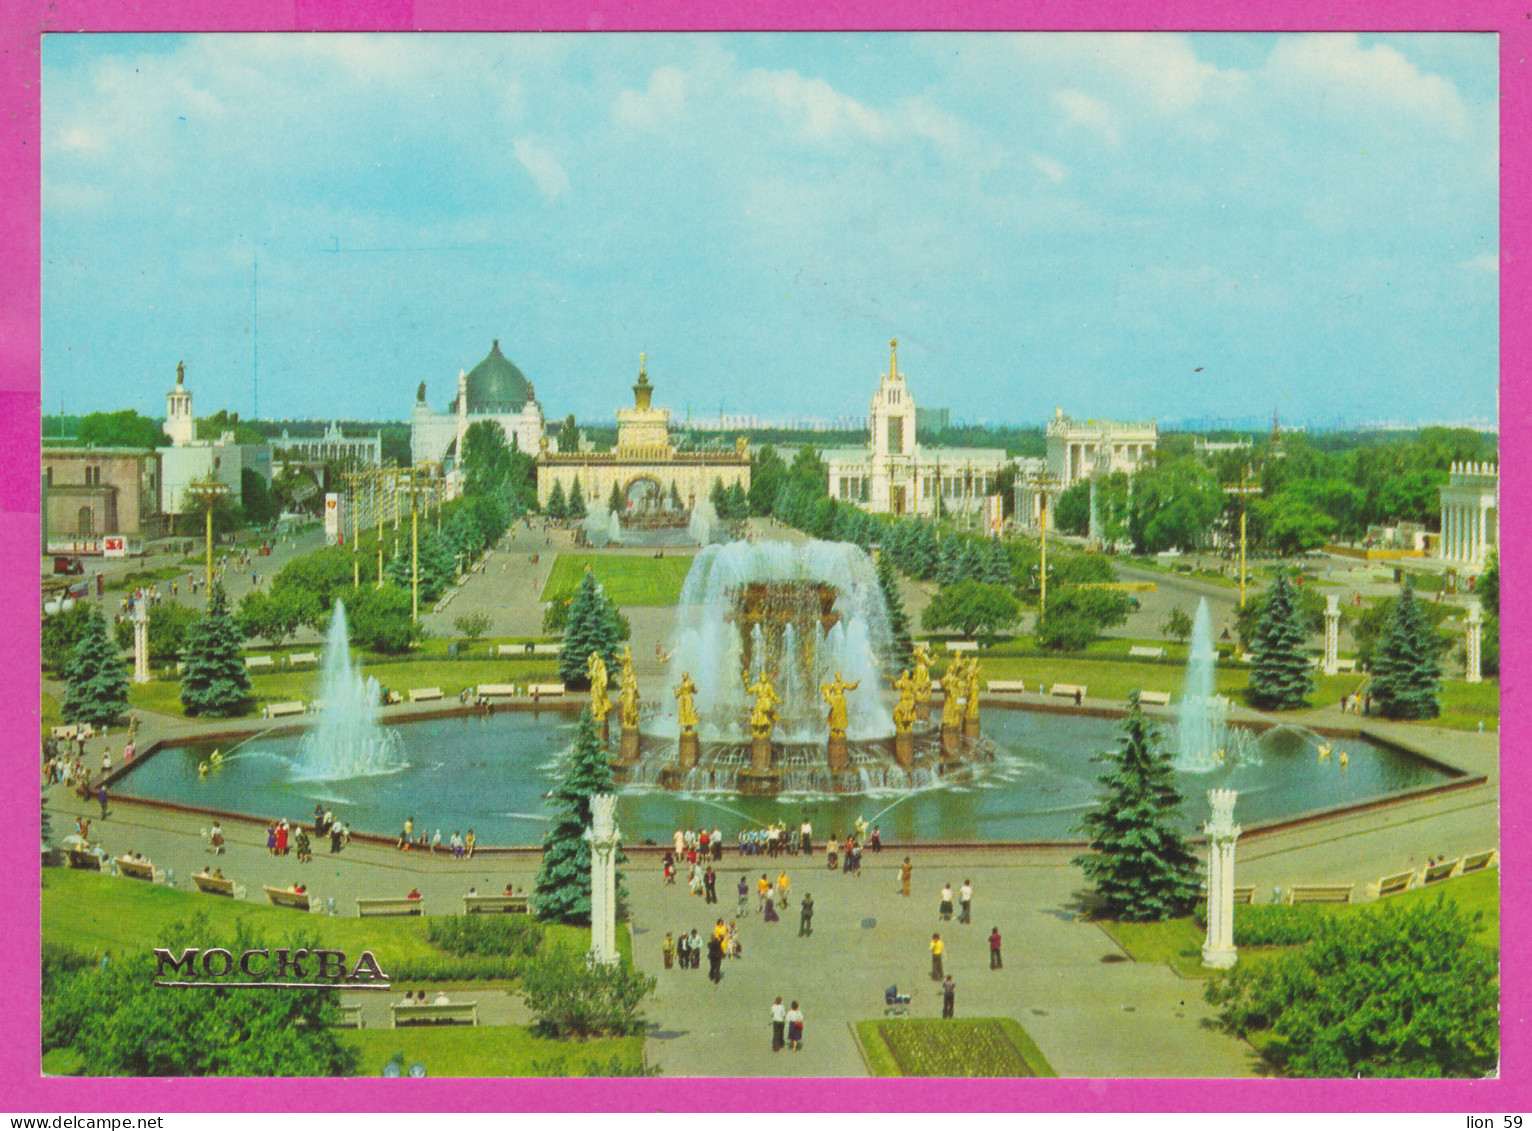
[695,883]
[795,1028]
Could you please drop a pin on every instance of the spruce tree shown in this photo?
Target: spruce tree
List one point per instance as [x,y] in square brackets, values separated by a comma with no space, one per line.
[615,501]
[925,554]
[970,564]
[215,682]
[997,565]
[1139,862]
[739,505]
[563,878]
[590,629]
[96,685]
[576,506]
[893,545]
[1281,677]
[556,507]
[903,648]
[1406,669]
[675,497]
[719,498]
[947,562]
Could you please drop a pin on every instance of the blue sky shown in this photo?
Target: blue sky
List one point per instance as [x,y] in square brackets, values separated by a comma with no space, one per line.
[1121,225]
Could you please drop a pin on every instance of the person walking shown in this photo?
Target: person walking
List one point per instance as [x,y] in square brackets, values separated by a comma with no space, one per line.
[949,996]
[778,1026]
[715,958]
[710,884]
[965,902]
[763,891]
[937,949]
[696,949]
[668,950]
[906,870]
[795,1028]
[744,898]
[944,909]
[806,916]
[101,797]
[994,949]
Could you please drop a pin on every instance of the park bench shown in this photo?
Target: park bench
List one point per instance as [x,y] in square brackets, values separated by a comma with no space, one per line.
[1154,698]
[282,897]
[491,690]
[1068,690]
[1439,872]
[389,906]
[421,694]
[962,645]
[137,869]
[416,1013]
[504,904]
[1006,684]
[1393,885]
[513,649]
[544,689]
[1244,893]
[1147,652]
[258,662]
[1320,893]
[65,732]
[351,1016]
[217,885]
[298,658]
[1348,666]
[546,649]
[278,710]
[1478,861]
[83,858]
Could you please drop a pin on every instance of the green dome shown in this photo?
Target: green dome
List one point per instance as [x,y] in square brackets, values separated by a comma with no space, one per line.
[496,386]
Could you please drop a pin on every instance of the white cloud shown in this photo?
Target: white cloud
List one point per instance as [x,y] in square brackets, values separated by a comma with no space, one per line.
[1091,113]
[1048,167]
[1346,74]
[663,101]
[551,179]
[814,106]
[1489,262]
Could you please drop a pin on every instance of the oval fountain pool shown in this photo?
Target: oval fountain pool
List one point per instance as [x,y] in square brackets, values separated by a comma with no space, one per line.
[492,774]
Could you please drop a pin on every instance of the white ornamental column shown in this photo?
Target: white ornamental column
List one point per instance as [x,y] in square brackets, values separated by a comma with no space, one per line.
[603,836]
[140,641]
[1475,639]
[1218,948]
[1332,634]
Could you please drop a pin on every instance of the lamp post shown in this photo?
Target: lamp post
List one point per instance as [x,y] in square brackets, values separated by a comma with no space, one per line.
[1244,490]
[207,492]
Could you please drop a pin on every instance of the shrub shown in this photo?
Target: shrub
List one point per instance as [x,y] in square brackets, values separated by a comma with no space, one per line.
[573,998]
[491,935]
[1271,924]
[474,968]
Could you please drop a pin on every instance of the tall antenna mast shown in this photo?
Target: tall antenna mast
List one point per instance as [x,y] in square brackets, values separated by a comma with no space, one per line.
[255,336]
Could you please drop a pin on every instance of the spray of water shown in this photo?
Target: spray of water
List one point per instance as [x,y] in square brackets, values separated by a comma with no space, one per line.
[347,742]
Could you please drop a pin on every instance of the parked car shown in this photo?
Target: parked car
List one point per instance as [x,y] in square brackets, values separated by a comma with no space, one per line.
[67,565]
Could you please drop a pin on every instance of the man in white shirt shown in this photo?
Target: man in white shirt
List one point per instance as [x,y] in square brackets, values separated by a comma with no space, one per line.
[965,902]
[778,1026]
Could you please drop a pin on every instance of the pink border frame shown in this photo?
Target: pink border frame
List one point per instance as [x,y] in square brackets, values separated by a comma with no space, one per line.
[25,1089]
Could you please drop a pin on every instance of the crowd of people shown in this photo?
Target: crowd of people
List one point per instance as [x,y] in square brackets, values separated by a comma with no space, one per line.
[459,845]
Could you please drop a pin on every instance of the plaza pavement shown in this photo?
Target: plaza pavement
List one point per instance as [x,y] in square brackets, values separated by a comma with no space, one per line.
[1091,1011]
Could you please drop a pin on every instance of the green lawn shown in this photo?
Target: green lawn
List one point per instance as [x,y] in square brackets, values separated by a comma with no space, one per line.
[628,580]
[164,696]
[51,716]
[988,1046]
[92,912]
[491,1050]
[1177,943]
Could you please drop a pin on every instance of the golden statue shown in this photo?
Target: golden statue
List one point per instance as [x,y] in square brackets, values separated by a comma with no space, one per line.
[952,686]
[904,710]
[835,695]
[600,705]
[764,715]
[686,710]
[922,681]
[971,691]
[627,698]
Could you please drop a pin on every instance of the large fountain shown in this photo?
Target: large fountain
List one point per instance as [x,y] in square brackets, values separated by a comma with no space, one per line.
[347,742]
[778,666]
[1204,738]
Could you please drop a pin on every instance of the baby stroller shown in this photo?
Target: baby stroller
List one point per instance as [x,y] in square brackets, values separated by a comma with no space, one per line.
[896,1004]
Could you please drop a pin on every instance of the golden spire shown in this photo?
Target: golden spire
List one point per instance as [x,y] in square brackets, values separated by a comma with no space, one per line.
[642,360]
[893,359]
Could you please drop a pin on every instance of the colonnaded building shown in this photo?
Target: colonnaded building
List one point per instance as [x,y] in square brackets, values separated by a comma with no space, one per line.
[644,465]
[895,474]
[493,390]
[1471,513]
[1080,450]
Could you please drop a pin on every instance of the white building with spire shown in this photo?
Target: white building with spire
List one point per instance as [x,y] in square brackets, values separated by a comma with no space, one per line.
[895,474]
[189,458]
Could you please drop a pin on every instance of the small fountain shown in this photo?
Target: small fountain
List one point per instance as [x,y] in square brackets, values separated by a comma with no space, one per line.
[703,526]
[1204,739]
[347,742]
